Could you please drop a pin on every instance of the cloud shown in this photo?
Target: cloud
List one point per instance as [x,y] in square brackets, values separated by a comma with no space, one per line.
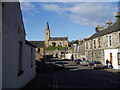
[27,6]
[83,13]
[67,0]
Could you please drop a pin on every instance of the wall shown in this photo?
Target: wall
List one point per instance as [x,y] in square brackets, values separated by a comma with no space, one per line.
[40,55]
[13,33]
[114,57]
[64,43]
[0,45]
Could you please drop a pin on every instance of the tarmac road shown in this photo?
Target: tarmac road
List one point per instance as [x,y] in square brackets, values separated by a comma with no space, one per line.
[74,76]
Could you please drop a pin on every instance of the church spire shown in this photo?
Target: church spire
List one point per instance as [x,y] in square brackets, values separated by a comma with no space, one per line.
[47,26]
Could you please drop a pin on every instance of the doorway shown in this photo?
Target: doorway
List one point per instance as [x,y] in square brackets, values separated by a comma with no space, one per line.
[110,58]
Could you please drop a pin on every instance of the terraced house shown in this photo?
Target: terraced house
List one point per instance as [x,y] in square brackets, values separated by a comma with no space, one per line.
[105,44]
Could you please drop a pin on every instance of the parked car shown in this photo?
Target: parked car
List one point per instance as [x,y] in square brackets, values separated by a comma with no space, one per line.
[84,62]
[95,64]
[59,65]
[78,61]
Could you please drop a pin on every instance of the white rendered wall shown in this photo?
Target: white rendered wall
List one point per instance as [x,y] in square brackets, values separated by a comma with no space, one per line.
[0,45]
[114,57]
[11,37]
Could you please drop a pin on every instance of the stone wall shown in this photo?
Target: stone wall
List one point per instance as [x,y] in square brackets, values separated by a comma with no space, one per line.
[63,43]
[97,53]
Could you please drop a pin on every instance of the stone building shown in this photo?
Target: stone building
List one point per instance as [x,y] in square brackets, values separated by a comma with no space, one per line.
[105,44]
[54,41]
[40,49]
[82,49]
[17,56]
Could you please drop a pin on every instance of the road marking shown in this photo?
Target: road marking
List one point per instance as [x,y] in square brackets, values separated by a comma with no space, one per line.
[111,80]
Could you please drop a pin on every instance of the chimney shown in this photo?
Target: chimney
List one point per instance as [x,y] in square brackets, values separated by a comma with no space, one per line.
[117,16]
[99,28]
[109,23]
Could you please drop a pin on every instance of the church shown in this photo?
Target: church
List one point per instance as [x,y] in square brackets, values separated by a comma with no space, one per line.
[54,41]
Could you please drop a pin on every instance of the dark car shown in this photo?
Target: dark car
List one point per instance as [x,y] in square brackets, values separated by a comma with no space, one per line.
[84,62]
[78,61]
[95,64]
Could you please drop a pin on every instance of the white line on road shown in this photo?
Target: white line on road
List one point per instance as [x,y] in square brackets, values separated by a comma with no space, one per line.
[111,80]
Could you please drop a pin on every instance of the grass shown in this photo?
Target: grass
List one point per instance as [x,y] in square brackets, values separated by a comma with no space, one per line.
[54,48]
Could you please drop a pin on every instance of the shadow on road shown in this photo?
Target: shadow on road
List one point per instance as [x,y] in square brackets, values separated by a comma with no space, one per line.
[70,77]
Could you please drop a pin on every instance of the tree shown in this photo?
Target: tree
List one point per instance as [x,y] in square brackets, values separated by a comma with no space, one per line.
[54,44]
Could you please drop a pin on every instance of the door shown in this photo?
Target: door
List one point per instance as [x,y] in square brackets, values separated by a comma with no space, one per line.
[110,58]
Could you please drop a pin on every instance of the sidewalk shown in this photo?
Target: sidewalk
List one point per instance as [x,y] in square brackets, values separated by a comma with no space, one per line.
[117,71]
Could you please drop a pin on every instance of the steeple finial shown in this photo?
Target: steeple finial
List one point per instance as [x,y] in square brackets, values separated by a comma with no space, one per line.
[47,25]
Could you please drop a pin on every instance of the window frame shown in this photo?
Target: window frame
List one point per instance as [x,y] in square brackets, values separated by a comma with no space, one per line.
[118,58]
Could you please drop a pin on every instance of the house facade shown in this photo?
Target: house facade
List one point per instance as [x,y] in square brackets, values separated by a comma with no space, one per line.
[76,50]
[105,44]
[18,55]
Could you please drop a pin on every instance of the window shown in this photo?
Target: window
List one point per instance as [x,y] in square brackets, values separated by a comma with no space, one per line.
[91,45]
[86,45]
[3,4]
[20,67]
[94,44]
[31,57]
[60,43]
[118,58]
[98,42]
[38,49]
[119,38]
[110,40]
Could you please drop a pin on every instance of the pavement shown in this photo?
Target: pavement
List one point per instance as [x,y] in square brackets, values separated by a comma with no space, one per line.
[116,71]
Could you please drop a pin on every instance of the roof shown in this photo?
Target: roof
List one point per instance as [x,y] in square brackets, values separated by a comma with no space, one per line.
[38,43]
[27,42]
[115,27]
[58,38]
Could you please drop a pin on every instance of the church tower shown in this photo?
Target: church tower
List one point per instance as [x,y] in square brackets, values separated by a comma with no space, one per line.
[47,34]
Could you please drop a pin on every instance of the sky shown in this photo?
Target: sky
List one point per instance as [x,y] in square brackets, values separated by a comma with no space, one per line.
[75,20]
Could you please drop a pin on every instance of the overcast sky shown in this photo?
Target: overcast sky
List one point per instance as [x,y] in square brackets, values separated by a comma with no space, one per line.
[73,19]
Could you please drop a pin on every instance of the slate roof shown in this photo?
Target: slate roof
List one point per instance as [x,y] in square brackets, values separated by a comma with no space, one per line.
[58,38]
[115,27]
[27,42]
[38,44]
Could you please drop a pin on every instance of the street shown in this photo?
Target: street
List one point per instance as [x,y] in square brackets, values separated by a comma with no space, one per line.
[74,76]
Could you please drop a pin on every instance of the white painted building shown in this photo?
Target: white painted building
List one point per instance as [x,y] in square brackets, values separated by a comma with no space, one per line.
[112,54]
[0,45]
[18,55]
